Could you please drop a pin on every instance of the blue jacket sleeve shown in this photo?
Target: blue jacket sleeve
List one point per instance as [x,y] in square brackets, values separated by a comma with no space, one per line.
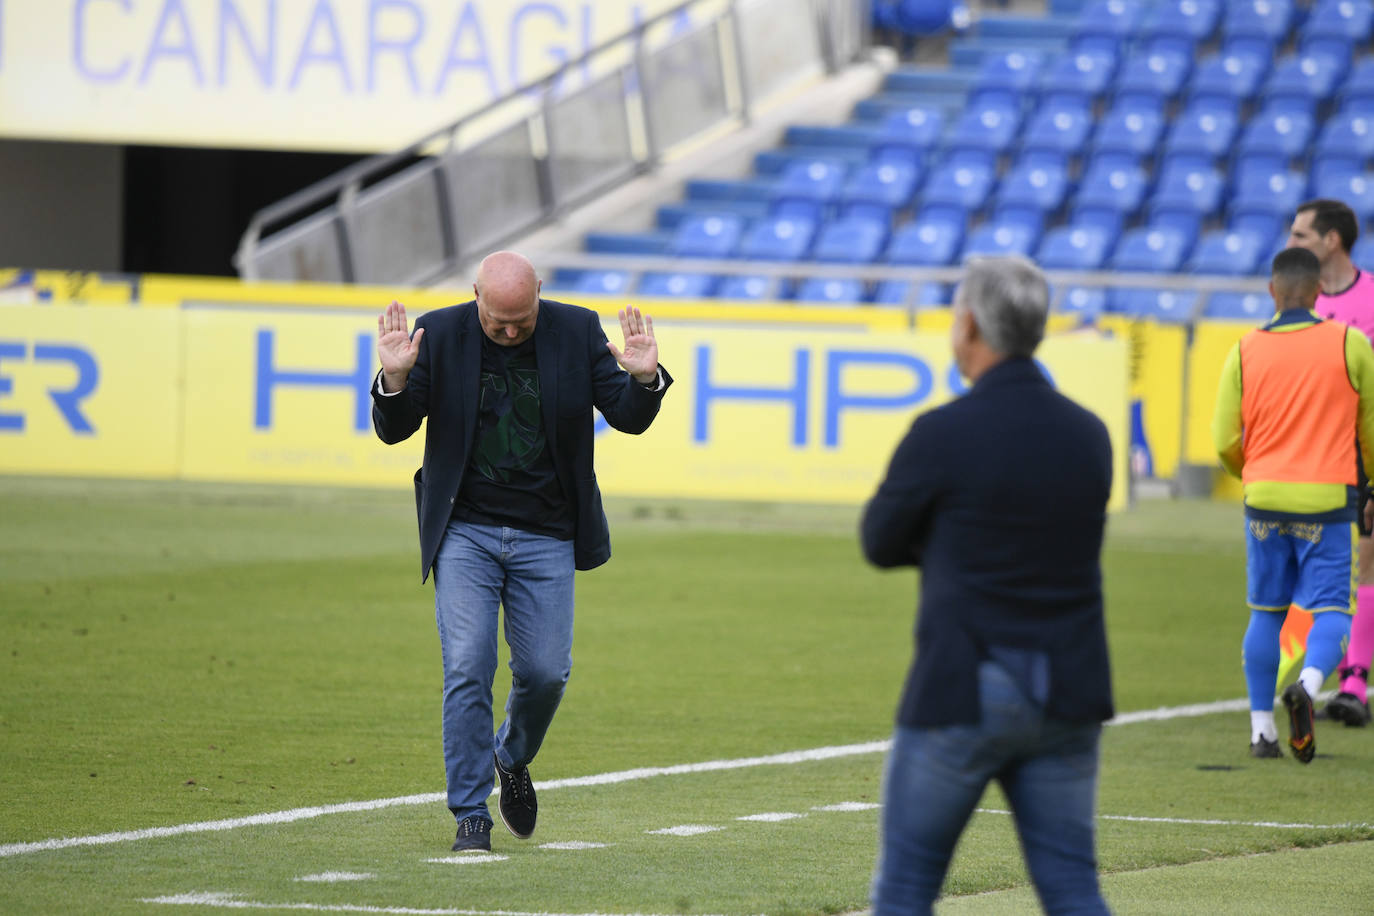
[896,519]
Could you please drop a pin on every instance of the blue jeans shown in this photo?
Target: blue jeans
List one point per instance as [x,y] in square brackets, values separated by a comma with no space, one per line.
[478,568]
[935,777]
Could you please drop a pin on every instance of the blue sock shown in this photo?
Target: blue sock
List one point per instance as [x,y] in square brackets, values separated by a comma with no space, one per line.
[1260,655]
[1326,641]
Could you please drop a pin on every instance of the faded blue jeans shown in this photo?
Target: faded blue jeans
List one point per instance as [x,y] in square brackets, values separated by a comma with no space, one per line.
[935,777]
[478,568]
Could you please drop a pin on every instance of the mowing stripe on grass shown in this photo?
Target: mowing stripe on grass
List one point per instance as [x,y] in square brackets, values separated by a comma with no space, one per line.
[231,902]
[600,779]
[1205,822]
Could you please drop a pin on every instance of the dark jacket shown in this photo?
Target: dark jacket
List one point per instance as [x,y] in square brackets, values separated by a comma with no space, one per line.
[1000,497]
[576,372]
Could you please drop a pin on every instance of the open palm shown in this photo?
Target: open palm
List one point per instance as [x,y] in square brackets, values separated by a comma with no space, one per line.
[640,355]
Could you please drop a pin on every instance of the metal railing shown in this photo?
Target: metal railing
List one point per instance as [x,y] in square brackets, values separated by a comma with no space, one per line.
[411,216]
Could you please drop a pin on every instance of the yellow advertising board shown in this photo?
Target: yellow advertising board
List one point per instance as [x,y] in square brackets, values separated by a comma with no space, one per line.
[88,391]
[338,75]
[1212,341]
[1157,353]
[283,396]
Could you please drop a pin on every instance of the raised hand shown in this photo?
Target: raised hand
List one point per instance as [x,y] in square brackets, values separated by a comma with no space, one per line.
[640,356]
[395,347]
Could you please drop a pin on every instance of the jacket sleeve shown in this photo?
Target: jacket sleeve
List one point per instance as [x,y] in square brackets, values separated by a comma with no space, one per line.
[395,418]
[1228,436]
[896,519]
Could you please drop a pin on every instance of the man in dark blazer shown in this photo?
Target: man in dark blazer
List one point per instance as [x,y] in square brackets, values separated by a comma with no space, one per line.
[1000,497]
[508,503]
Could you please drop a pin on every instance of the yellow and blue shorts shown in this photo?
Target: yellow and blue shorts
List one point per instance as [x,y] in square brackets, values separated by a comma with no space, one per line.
[1313,565]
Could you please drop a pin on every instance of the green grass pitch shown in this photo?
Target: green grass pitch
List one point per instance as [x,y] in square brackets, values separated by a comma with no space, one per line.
[176,654]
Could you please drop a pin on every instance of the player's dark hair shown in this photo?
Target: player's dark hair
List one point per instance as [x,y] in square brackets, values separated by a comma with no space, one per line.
[1332,214]
[1297,277]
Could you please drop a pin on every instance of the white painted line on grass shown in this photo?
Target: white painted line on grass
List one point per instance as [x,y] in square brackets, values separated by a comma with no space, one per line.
[231,902]
[331,877]
[573,844]
[771,816]
[1204,822]
[847,806]
[600,779]
[686,830]
[469,858]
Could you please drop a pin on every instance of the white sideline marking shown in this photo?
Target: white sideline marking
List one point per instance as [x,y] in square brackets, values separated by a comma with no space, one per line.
[231,902]
[330,877]
[469,858]
[600,779]
[847,806]
[771,816]
[1205,822]
[573,844]
[686,830]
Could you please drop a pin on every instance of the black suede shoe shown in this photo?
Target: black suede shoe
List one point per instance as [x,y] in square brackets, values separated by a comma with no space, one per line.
[1301,741]
[1265,748]
[474,832]
[1344,707]
[518,806]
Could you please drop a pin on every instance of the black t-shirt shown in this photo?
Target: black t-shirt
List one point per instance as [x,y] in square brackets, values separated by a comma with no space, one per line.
[510,480]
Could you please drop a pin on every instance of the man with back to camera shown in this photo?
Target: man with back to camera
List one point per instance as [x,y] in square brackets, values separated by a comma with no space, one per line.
[1292,396]
[508,503]
[1328,229]
[1000,497]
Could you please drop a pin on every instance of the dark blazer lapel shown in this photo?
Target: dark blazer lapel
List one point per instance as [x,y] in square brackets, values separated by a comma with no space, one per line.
[546,352]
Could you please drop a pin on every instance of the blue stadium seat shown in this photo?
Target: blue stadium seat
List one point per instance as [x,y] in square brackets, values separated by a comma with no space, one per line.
[1134,126]
[1312,77]
[911,131]
[707,235]
[1074,247]
[1012,71]
[887,184]
[1114,19]
[1362,253]
[1085,301]
[1224,252]
[676,285]
[1150,249]
[1270,20]
[1347,20]
[897,292]
[1256,308]
[815,180]
[1206,127]
[1039,180]
[778,238]
[1186,223]
[929,240]
[986,124]
[1267,229]
[1276,132]
[652,243]
[1233,75]
[602,282]
[1112,182]
[1268,189]
[1159,74]
[822,289]
[1084,75]
[999,238]
[1158,304]
[1193,20]
[1358,89]
[744,286]
[1060,125]
[850,240]
[1348,135]
[964,179]
[1355,188]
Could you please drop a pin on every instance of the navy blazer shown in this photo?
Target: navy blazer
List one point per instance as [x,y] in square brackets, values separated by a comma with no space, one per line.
[576,372]
[1000,497]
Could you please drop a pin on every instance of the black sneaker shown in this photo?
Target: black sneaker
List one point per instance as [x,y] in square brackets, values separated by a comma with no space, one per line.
[474,832]
[1301,740]
[517,805]
[1343,707]
[1265,748]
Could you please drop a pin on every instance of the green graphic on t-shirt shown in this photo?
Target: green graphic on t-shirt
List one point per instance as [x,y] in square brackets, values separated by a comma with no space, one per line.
[511,435]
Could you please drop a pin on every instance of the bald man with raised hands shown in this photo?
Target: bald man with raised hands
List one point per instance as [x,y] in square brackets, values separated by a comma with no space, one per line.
[508,503]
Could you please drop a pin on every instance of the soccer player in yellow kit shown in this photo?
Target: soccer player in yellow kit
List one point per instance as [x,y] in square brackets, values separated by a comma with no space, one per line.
[1292,397]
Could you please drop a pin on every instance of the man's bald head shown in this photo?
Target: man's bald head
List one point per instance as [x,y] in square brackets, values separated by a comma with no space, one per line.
[507,291]
[1295,279]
